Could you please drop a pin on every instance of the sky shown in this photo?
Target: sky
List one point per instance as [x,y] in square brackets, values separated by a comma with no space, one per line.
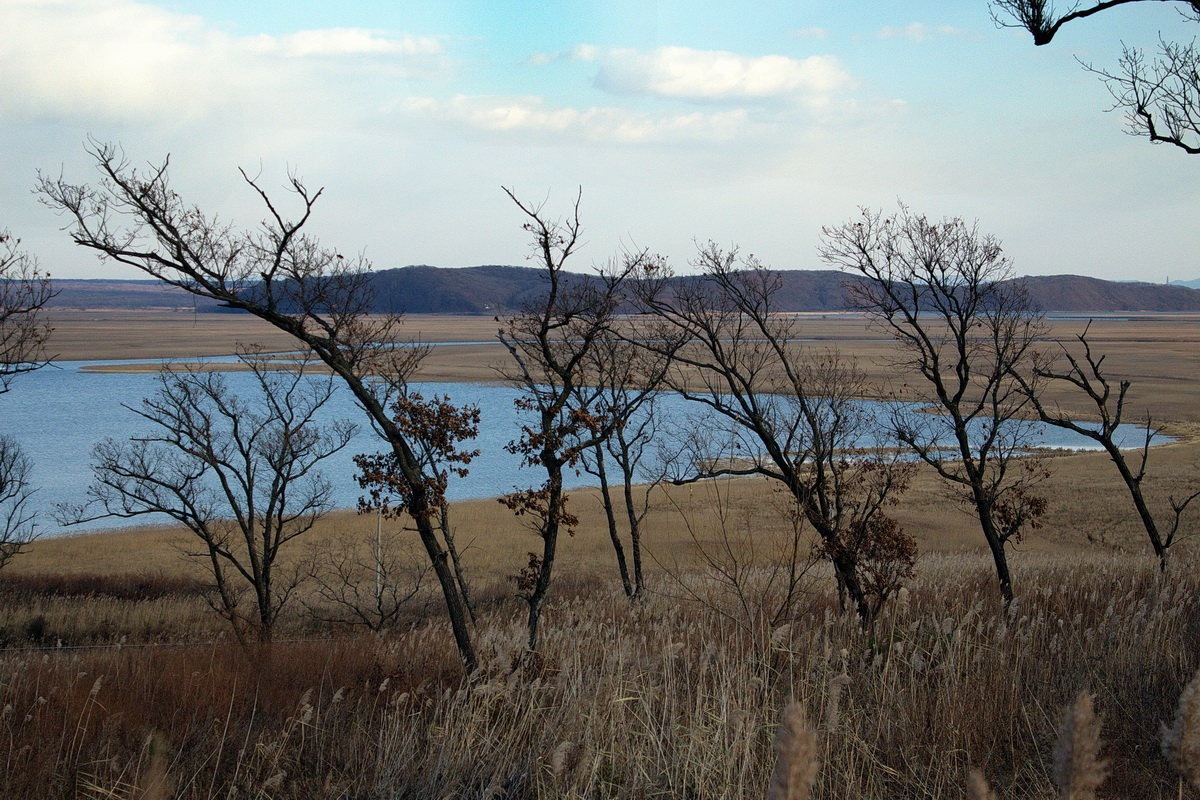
[750,124]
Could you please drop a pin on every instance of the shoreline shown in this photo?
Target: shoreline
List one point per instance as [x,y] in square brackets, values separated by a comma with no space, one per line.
[1158,351]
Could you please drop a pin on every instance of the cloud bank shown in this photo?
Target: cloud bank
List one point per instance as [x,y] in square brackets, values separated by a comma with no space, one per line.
[122,60]
[707,75]
[532,116]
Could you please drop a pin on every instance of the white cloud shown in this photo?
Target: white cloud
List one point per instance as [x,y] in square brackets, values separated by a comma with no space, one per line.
[125,60]
[343,42]
[529,115]
[684,73]
[917,32]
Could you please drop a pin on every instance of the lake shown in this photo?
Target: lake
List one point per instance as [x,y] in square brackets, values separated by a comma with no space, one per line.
[59,413]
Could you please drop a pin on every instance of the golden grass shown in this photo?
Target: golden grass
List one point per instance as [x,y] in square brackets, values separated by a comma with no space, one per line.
[661,699]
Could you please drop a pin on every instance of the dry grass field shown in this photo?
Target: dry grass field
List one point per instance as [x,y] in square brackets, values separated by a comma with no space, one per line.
[677,696]
[106,333]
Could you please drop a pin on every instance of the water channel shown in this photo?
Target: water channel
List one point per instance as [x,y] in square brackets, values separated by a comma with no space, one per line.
[58,414]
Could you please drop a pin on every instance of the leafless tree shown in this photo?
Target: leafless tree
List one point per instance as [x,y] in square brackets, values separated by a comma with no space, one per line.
[623,384]
[550,344]
[1083,371]
[24,292]
[795,412]
[944,292]
[16,517]
[239,473]
[280,274]
[367,584]
[1159,95]
[1043,19]
[752,570]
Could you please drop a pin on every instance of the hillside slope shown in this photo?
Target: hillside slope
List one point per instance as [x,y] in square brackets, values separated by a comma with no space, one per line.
[502,289]
[1081,293]
[495,289]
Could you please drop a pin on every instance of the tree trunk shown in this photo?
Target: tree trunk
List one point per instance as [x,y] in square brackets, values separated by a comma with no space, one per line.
[846,570]
[550,529]
[635,533]
[1139,502]
[266,615]
[450,590]
[460,576]
[984,510]
[611,517]
[996,545]
[1002,575]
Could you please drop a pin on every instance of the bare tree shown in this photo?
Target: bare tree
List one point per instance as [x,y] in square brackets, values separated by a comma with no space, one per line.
[944,292]
[623,384]
[239,473]
[1083,371]
[279,274]
[550,343]
[365,584]
[16,517]
[24,292]
[795,412]
[1159,95]
[1043,19]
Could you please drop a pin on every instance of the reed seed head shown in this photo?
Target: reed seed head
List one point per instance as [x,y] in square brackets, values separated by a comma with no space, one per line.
[1078,768]
[1181,741]
[978,788]
[796,756]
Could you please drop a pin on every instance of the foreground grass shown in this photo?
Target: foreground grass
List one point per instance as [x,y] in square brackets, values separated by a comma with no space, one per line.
[667,698]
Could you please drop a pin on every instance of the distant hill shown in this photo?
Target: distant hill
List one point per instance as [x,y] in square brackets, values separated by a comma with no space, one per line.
[1081,293]
[147,294]
[497,289]
[465,290]
[502,289]
[494,289]
[1194,283]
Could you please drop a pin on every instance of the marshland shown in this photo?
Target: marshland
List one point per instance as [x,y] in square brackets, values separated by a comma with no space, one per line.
[122,681]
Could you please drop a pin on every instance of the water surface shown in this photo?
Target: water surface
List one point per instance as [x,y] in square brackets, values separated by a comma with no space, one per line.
[60,413]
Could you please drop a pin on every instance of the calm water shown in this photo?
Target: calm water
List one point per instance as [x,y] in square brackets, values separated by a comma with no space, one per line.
[58,414]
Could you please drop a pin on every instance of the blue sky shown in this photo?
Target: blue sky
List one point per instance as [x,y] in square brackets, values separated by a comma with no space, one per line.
[753,124]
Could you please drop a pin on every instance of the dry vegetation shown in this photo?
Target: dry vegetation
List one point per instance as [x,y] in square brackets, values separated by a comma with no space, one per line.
[662,699]
[675,697]
[109,333]
[678,696]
